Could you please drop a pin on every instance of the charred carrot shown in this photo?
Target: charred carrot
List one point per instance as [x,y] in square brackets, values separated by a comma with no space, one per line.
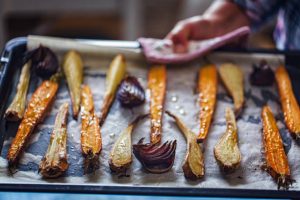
[55,161]
[157,81]
[207,86]
[115,74]
[91,142]
[276,160]
[289,103]
[38,105]
[16,109]
[73,70]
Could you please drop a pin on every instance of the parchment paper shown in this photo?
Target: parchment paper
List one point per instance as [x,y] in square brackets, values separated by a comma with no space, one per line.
[181,100]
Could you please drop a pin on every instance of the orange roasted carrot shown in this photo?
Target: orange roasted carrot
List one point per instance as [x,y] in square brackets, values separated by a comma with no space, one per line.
[157,81]
[38,105]
[207,86]
[91,142]
[289,103]
[276,160]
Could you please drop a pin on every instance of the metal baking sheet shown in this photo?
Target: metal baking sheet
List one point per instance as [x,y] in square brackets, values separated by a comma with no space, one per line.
[181,100]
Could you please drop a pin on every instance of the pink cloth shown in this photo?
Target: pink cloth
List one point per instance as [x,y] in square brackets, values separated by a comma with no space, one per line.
[161,51]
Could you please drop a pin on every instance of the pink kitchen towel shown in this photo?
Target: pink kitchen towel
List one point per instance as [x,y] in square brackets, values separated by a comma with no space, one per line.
[161,51]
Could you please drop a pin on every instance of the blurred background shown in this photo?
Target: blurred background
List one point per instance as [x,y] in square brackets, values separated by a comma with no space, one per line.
[98,19]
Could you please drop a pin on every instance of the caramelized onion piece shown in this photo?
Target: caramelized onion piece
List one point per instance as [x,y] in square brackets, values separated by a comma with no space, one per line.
[130,93]
[155,158]
[262,74]
[44,61]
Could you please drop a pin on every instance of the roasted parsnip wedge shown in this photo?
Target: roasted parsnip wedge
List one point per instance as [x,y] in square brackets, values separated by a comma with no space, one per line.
[73,70]
[276,160]
[193,166]
[91,142]
[115,74]
[36,110]
[233,79]
[207,86]
[55,161]
[289,103]
[120,156]
[157,83]
[227,151]
[16,109]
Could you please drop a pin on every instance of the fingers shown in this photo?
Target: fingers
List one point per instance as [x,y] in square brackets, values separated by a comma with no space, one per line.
[180,36]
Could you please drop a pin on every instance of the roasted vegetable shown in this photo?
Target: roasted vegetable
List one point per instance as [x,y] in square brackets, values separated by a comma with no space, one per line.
[193,166]
[55,161]
[120,156]
[233,79]
[130,92]
[157,81]
[155,158]
[16,109]
[115,74]
[91,142]
[207,86]
[262,74]
[276,160]
[36,110]
[288,101]
[44,61]
[73,70]
[227,151]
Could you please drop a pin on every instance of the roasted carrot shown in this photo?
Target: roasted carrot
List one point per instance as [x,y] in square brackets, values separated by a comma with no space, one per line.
[16,109]
[207,86]
[73,70]
[157,81]
[38,105]
[91,142]
[276,160]
[115,74]
[289,103]
[55,161]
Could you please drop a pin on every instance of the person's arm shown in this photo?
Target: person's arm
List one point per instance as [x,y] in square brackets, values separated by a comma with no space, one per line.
[221,17]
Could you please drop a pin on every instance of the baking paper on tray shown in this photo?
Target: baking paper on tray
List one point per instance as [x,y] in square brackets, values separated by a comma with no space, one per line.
[181,100]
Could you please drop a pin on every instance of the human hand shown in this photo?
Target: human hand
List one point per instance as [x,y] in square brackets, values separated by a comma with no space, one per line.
[194,28]
[221,17]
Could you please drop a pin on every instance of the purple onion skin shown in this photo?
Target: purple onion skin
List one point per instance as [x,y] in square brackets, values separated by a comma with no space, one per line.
[130,93]
[44,61]
[262,75]
[155,158]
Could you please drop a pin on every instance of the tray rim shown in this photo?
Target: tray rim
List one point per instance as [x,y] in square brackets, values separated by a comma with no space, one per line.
[290,56]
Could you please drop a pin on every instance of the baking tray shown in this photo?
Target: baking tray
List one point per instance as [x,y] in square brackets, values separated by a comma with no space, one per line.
[9,71]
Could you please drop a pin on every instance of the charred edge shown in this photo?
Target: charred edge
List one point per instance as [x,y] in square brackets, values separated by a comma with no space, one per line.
[119,170]
[91,162]
[188,174]
[284,181]
[51,172]
[228,169]
[12,115]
